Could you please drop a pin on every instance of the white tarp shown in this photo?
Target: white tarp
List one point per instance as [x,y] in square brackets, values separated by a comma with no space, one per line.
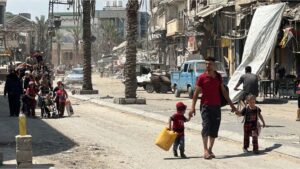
[259,44]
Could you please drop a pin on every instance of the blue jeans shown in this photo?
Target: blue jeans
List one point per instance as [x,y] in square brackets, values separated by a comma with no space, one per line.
[179,141]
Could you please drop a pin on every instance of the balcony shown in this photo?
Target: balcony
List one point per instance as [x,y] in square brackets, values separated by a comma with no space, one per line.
[175,26]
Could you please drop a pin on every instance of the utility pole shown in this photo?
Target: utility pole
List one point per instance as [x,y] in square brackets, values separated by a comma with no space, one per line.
[147,34]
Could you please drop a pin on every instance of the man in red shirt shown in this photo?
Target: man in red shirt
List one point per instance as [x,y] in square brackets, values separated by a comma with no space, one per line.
[210,84]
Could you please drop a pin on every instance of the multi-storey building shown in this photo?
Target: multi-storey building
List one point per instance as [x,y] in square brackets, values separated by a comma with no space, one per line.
[115,12]
[167,27]
[2,11]
[64,51]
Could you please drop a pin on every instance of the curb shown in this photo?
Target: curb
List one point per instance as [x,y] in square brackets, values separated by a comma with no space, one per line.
[264,144]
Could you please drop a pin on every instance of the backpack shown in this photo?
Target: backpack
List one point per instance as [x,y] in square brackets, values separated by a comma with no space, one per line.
[223,100]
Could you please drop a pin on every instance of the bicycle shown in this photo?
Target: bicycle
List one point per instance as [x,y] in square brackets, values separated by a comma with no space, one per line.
[241,103]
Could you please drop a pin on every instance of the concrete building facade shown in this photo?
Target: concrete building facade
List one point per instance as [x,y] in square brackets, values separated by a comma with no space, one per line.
[63,46]
[115,12]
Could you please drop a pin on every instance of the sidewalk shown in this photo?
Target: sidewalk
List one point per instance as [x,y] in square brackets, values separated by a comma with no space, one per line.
[281,134]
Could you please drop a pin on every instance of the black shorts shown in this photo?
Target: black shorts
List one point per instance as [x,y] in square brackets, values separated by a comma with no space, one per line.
[211,119]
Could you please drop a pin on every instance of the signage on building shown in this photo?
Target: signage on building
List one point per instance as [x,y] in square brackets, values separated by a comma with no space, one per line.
[192,43]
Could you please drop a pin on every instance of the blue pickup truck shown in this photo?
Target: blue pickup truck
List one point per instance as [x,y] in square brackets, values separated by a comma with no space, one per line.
[185,79]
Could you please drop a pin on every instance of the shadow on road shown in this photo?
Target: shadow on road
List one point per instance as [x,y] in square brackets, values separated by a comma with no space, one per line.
[178,158]
[46,139]
[274,126]
[37,166]
[269,149]
[273,101]
[262,152]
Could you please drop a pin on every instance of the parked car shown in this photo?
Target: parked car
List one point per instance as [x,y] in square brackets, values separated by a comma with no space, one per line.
[60,70]
[74,77]
[185,79]
[153,77]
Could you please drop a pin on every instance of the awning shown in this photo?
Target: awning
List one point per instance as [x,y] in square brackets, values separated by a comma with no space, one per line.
[19,23]
[207,11]
[260,43]
[4,55]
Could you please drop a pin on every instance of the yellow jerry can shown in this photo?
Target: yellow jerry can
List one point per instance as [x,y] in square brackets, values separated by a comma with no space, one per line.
[165,139]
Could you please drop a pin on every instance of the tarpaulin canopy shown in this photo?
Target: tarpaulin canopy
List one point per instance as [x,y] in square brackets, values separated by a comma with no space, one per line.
[259,44]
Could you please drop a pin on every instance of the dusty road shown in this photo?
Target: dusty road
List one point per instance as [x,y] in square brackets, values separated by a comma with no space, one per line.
[99,137]
[279,116]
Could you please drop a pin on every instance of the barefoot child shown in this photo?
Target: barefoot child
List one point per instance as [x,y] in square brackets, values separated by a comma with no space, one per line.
[251,113]
[178,120]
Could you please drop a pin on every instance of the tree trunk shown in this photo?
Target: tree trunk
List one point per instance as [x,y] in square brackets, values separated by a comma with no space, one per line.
[130,65]
[87,73]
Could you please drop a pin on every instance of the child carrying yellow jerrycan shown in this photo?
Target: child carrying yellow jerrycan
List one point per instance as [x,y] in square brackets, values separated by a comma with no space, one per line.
[165,139]
[175,136]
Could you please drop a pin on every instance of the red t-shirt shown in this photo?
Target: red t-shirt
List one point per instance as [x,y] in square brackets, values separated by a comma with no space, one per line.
[31,92]
[210,87]
[61,94]
[178,123]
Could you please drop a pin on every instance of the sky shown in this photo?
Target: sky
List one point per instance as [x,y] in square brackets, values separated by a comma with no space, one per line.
[40,7]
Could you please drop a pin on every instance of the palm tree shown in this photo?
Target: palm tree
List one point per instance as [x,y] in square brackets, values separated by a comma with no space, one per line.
[41,29]
[8,16]
[130,65]
[88,7]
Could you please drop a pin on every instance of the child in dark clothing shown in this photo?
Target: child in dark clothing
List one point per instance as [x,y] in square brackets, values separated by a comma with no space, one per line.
[252,115]
[178,120]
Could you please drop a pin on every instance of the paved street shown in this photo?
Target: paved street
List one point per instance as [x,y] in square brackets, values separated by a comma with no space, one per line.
[279,115]
[105,135]
[100,137]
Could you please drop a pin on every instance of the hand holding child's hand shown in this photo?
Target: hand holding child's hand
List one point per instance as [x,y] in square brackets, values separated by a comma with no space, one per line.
[192,113]
[264,125]
[236,112]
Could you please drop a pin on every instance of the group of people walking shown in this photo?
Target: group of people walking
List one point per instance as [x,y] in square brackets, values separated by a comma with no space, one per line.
[27,81]
[211,86]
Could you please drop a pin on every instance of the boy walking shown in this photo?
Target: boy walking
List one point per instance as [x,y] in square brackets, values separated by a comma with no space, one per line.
[176,122]
[252,114]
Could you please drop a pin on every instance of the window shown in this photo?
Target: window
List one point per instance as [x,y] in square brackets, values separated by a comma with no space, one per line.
[71,56]
[77,71]
[114,3]
[185,67]
[200,67]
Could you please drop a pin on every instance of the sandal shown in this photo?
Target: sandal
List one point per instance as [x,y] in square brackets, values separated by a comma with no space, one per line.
[207,156]
[212,155]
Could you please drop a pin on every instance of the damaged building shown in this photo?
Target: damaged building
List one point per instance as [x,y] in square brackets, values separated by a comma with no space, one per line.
[193,29]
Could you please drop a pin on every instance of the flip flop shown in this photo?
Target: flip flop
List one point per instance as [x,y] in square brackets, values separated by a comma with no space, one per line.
[207,156]
[212,155]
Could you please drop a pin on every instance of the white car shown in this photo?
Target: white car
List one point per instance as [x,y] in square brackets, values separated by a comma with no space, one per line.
[74,77]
